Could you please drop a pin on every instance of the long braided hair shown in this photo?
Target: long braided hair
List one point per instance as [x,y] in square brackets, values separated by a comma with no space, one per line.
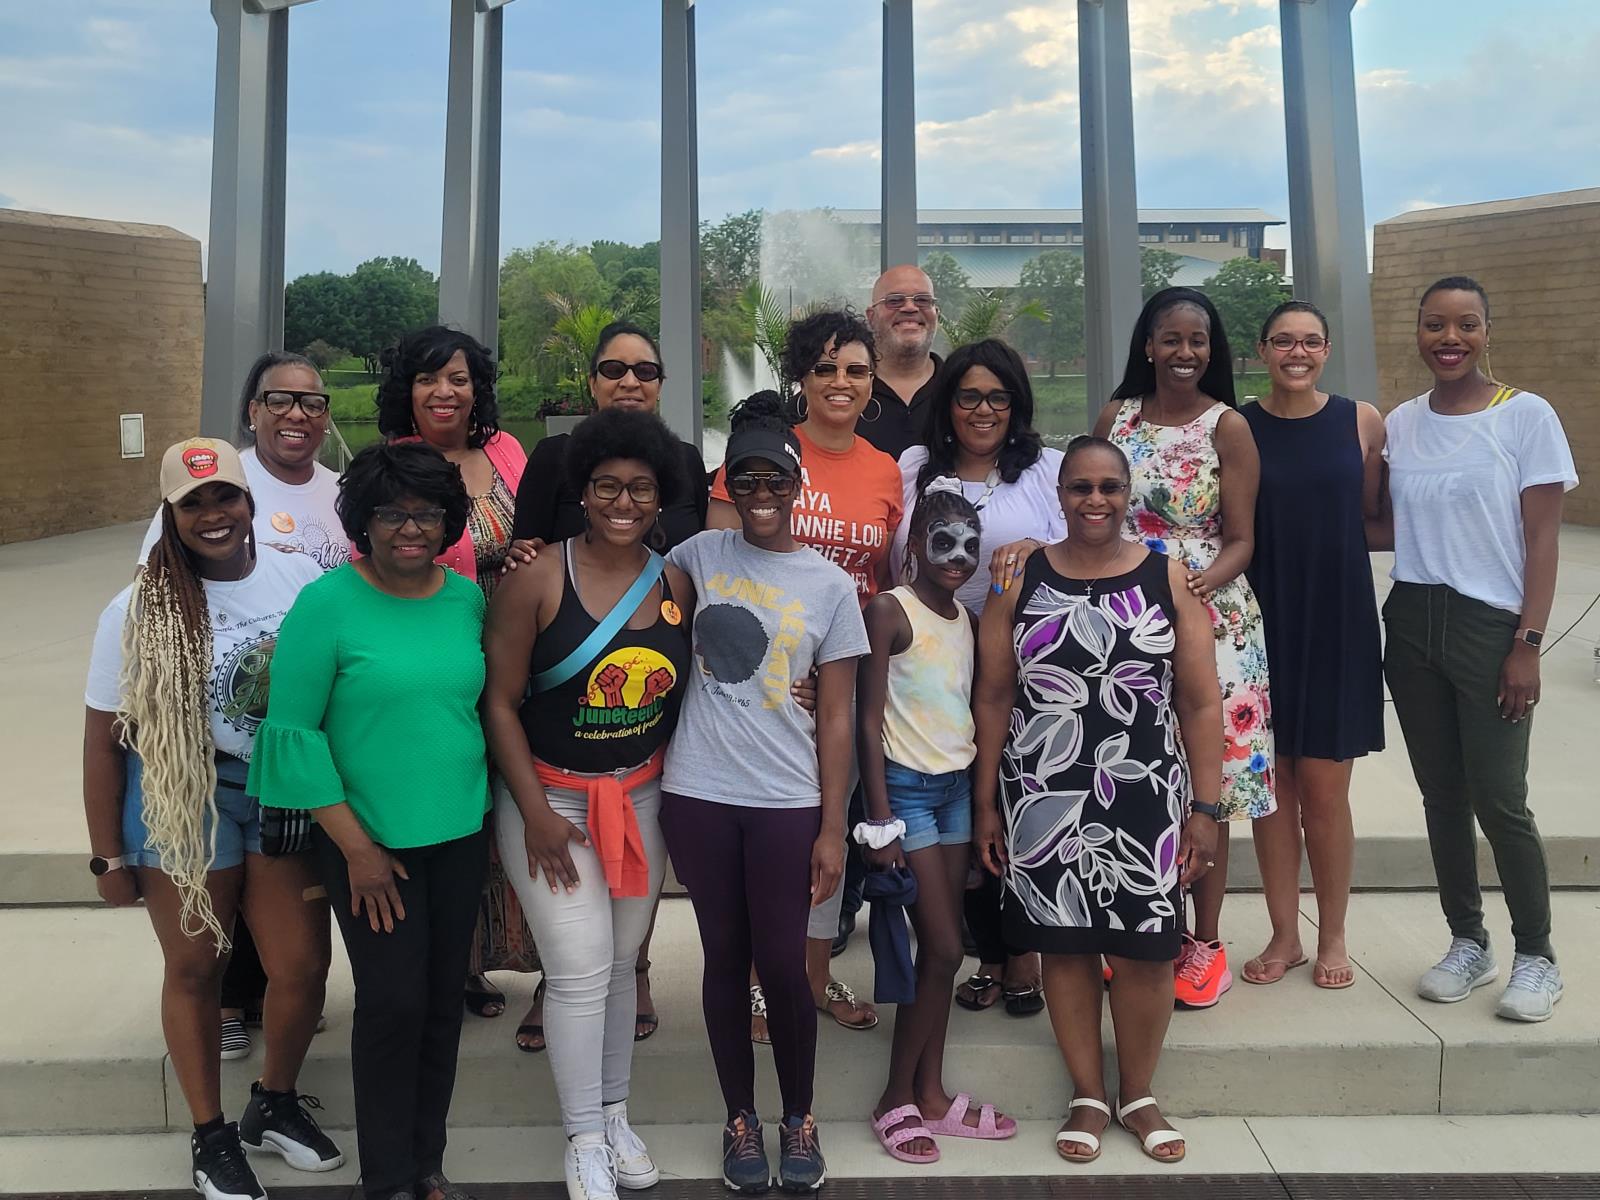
[165,719]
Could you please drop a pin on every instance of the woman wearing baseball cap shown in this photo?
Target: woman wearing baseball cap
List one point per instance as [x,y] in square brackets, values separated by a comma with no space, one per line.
[177,687]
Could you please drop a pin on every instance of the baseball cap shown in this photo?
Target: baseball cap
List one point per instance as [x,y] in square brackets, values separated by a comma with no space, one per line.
[776,447]
[197,462]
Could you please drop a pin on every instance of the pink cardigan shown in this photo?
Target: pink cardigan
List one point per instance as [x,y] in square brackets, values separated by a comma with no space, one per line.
[508,458]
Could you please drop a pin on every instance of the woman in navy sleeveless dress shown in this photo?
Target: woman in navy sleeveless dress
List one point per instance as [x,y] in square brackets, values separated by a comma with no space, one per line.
[1320,461]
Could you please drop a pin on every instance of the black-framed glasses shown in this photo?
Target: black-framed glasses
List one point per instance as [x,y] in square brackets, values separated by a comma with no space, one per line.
[776,483]
[393,518]
[830,370]
[609,487]
[1110,487]
[278,403]
[923,300]
[968,399]
[615,368]
[1285,342]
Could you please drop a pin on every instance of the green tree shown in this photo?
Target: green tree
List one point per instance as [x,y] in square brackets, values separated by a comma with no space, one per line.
[571,343]
[1054,281]
[730,254]
[528,278]
[318,306]
[324,355]
[616,258]
[1156,269]
[1245,290]
[951,284]
[389,296]
[636,296]
[988,314]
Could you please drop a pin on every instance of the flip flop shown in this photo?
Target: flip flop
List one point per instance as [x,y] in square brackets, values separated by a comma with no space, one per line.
[1320,973]
[906,1133]
[1024,1002]
[1067,1137]
[989,1127]
[1258,964]
[979,984]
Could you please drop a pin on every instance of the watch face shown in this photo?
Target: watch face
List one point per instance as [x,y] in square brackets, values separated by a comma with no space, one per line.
[1533,637]
[97,865]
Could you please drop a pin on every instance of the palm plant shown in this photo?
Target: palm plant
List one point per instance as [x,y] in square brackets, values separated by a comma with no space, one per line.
[988,314]
[573,339]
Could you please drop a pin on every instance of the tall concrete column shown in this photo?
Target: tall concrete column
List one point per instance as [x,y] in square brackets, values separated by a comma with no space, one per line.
[244,264]
[469,257]
[1327,219]
[1110,208]
[899,150]
[680,223]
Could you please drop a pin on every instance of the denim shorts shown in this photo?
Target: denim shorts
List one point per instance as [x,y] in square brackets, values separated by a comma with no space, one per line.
[937,809]
[238,826]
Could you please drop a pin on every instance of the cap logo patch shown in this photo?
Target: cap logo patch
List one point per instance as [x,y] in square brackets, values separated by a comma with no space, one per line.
[200,462]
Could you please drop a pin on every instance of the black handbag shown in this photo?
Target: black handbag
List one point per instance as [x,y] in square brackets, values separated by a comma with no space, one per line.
[283,830]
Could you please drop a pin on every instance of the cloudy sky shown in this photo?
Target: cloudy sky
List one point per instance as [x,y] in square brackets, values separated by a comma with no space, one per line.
[107,110]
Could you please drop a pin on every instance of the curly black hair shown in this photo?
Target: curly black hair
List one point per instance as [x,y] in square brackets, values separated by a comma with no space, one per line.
[1023,444]
[621,329]
[429,349]
[251,391]
[625,433]
[1139,376]
[809,336]
[382,473]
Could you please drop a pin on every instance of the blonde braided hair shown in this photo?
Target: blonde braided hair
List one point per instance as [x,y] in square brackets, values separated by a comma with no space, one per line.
[165,720]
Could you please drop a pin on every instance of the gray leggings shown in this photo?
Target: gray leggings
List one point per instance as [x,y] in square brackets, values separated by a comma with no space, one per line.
[588,942]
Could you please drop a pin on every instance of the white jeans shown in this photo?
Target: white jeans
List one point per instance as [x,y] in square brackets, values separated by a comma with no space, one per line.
[588,943]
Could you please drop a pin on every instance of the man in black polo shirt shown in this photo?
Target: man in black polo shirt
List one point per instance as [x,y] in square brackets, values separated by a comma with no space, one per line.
[904,316]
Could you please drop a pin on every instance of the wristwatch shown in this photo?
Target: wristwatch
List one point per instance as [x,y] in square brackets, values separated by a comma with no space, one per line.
[100,865]
[1214,811]
[1531,637]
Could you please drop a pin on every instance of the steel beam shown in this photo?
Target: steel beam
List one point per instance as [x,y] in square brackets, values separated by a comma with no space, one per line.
[244,264]
[680,223]
[1110,208]
[1327,219]
[899,150]
[469,257]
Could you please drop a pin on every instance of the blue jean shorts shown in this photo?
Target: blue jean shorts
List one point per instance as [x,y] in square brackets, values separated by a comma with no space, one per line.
[238,826]
[937,809]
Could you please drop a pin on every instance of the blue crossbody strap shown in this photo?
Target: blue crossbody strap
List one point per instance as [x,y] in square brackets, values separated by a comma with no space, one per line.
[589,649]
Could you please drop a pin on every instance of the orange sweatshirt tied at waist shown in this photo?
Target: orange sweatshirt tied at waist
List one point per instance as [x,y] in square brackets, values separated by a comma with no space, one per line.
[613,825]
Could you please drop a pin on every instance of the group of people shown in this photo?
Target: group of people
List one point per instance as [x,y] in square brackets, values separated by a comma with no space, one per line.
[895,647]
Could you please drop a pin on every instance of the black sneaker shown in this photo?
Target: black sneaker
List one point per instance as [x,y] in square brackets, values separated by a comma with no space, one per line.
[744,1156]
[220,1170]
[281,1122]
[800,1164]
[841,939]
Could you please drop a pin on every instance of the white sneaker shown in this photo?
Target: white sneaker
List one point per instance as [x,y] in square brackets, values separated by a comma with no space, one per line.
[591,1168]
[635,1168]
[1533,991]
[1466,965]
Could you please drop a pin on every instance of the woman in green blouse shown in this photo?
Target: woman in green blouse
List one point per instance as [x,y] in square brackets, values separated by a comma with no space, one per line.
[373,725]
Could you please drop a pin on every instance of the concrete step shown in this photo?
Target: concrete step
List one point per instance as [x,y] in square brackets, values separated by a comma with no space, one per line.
[125,1165]
[82,1048]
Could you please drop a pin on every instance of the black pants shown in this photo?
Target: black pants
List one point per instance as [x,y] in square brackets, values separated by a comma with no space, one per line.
[244,983]
[408,1005]
[981,907]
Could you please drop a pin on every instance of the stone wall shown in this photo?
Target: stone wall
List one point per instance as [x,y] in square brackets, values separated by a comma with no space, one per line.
[1539,259]
[97,319]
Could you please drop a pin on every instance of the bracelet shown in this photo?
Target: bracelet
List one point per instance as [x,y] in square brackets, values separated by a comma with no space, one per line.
[872,821]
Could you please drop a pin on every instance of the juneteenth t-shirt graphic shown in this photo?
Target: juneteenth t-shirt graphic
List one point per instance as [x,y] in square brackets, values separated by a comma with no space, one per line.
[627,694]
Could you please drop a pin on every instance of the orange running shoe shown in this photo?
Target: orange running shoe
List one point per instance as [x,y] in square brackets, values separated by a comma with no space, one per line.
[1203,974]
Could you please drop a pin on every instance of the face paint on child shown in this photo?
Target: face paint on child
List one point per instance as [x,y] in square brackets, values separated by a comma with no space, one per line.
[952,544]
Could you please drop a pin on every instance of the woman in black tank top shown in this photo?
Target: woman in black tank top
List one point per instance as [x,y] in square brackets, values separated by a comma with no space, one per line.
[578,799]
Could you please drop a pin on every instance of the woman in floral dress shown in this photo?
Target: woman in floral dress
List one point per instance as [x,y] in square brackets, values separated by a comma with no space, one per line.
[1195,472]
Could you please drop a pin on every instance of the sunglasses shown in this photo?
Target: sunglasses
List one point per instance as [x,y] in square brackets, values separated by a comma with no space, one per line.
[1285,342]
[394,519]
[898,300]
[1111,487]
[968,400]
[609,487]
[776,483]
[313,404]
[615,368]
[828,370]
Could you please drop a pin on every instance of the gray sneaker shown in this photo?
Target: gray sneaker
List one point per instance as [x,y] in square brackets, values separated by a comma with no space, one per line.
[1465,966]
[1533,991]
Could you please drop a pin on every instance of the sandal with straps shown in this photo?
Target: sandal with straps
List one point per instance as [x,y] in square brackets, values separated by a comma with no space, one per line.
[1069,1137]
[758,1008]
[978,985]
[990,1127]
[908,1133]
[1156,1137]
[843,993]
[644,1024]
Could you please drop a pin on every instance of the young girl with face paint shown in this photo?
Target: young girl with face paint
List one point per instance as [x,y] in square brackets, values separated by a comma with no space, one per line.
[915,740]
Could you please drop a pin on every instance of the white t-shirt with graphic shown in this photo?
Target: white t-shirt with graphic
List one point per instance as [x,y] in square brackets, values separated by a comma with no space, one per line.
[290,516]
[1457,482]
[245,615]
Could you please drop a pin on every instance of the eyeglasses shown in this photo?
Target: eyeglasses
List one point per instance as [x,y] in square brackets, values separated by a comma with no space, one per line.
[968,400]
[313,404]
[609,487]
[1285,342]
[776,483]
[828,370]
[922,300]
[615,368]
[394,519]
[1111,487]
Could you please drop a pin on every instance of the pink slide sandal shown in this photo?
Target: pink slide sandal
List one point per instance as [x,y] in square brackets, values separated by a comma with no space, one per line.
[953,1123]
[909,1133]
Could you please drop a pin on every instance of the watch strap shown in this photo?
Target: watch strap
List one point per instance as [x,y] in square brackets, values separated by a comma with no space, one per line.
[99,864]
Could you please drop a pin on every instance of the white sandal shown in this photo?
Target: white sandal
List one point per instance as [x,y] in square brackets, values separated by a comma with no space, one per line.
[1156,1137]
[1066,1137]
